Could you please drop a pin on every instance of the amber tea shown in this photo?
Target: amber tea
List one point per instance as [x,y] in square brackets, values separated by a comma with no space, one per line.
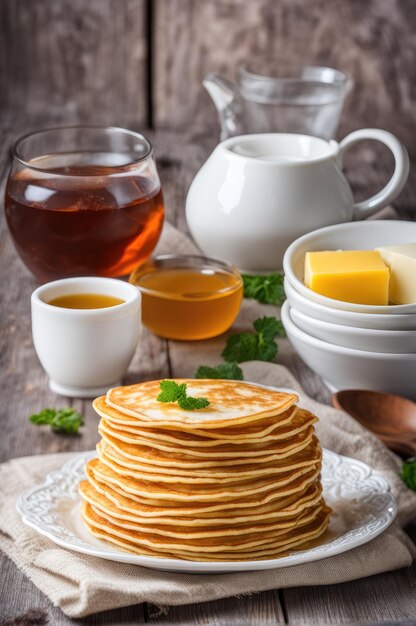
[83,201]
[85,301]
[77,221]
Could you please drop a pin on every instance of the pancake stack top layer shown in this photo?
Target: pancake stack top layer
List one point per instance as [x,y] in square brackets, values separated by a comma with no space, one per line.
[237,480]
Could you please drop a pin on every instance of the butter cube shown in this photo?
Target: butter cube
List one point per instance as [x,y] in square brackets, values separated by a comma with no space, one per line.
[402,262]
[358,276]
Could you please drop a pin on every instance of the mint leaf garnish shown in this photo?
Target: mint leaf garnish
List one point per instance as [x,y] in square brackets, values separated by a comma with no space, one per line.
[191,404]
[172,392]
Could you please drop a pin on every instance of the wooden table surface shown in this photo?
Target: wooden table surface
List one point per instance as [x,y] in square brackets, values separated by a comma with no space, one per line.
[390,597]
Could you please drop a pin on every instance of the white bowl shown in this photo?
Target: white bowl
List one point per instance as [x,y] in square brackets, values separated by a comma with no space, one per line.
[344,368]
[352,236]
[349,318]
[393,341]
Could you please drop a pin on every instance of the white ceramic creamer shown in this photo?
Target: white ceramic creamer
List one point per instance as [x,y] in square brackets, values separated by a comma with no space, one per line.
[257,193]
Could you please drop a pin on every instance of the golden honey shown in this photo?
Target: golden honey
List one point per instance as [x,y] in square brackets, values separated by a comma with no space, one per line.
[189,302]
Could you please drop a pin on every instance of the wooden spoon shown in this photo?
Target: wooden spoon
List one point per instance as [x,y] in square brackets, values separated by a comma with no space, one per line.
[391,418]
[406,450]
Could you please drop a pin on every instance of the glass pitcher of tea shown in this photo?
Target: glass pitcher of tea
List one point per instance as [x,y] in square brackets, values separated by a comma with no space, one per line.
[83,201]
[307,100]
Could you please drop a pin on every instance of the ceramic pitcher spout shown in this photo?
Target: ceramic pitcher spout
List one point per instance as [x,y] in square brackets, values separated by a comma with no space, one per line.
[226,100]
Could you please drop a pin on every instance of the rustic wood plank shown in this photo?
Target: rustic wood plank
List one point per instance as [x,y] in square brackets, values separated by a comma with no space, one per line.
[71,61]
[262,608]
[27,606]
[179,156]
[371,41]
[24,599]
[385,598]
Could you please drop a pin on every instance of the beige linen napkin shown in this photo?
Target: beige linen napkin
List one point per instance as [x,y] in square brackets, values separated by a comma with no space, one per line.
[81,585]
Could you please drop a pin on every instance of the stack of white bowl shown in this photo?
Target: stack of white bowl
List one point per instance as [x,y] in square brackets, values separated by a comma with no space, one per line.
[351,345]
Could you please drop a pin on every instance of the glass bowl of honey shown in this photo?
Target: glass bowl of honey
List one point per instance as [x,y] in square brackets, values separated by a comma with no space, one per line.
[188,297]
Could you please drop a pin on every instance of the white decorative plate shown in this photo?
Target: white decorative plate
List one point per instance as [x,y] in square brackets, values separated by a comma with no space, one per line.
[360,498]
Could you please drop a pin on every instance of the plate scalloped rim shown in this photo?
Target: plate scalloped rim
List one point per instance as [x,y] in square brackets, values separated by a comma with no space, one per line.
[365,492]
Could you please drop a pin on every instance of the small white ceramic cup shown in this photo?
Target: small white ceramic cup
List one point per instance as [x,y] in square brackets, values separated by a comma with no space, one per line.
[85,351]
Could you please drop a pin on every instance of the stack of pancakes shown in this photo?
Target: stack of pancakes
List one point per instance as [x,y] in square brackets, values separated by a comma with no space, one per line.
[238,480]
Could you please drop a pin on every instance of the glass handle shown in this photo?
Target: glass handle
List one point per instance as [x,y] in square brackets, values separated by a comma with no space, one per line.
[226,100]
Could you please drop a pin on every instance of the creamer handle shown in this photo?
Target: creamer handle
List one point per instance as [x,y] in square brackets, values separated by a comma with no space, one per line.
[397,181]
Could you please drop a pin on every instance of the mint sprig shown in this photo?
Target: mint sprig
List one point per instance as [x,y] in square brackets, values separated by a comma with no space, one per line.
[172,392]
[257,346]
[408,473]
[267,288]
[64,421]
[230,371]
